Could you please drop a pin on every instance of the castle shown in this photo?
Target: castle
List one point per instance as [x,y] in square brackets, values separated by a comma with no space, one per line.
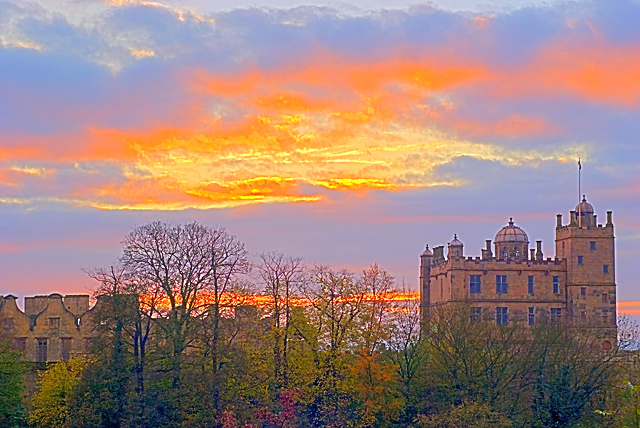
[51,328]
[512,283]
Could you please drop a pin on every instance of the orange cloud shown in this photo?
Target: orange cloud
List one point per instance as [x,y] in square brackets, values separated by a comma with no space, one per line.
[513,126]
[292,134]
[325,70]
[597,72]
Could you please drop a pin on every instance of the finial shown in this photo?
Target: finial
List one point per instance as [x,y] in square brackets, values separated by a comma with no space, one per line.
[584,198]
[455,236]
[427,247]
[510,221]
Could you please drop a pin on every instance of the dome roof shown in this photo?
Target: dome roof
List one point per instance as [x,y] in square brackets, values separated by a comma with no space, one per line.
[456,242]
[584,207]
[511,233]
[426,252]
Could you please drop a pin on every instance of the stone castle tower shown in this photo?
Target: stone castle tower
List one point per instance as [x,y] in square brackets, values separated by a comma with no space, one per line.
[589,250]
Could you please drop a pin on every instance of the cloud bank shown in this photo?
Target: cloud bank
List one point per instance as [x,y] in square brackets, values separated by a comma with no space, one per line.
[145,105]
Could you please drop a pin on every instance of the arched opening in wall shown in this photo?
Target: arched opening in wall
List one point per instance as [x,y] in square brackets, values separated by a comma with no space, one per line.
[606,345]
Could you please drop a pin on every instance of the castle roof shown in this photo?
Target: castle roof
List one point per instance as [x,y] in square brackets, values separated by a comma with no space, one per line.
[511,233]
[456,242]
[426,252]
[584,207]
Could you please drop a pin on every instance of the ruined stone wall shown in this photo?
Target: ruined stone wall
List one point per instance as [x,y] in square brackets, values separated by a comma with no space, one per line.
[50,329]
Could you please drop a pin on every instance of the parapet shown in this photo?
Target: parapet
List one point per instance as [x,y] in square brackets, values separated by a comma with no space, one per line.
[77,304]
[35,304]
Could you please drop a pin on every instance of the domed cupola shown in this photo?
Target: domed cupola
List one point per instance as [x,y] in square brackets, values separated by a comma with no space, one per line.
[585,211]
[455,247]
[511,242]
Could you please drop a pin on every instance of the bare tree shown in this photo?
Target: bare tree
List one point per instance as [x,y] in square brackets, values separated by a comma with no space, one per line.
[190,268]
[408,353]
[377,316]
[280,275]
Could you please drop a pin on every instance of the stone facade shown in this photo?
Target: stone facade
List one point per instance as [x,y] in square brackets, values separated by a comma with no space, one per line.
[515,284]
[51,328]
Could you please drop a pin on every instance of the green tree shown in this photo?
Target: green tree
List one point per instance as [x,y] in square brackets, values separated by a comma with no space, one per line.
[50,403]
[12,378]
[572,374]
[336,299]
[474,360]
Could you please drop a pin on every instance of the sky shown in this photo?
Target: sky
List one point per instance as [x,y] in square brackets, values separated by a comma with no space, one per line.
[346,133]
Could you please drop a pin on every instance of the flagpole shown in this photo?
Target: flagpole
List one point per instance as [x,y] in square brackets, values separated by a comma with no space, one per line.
[579,193]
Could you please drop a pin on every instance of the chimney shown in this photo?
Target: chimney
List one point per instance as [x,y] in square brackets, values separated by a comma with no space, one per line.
[609,222]
[533,254]
[559,221]
[539,250]
[486,253]
[573,218]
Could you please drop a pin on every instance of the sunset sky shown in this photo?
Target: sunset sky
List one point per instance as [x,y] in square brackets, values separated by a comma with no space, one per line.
[346,133]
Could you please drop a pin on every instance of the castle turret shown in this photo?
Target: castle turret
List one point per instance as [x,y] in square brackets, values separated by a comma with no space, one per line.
[455,248]
[425,282]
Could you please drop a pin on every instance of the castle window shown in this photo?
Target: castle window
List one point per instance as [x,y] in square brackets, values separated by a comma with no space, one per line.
[605,318]
[474,284]
[476,314]
[501,284]
[592,245]
[501,315]
[530,284]
[19,344]
[605,268]
[605,298]
[556,285]
[41,351]
[532,315]
[583,291]
[66,348]
[8,324]
[54,322]
[579,260]
[556,315]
